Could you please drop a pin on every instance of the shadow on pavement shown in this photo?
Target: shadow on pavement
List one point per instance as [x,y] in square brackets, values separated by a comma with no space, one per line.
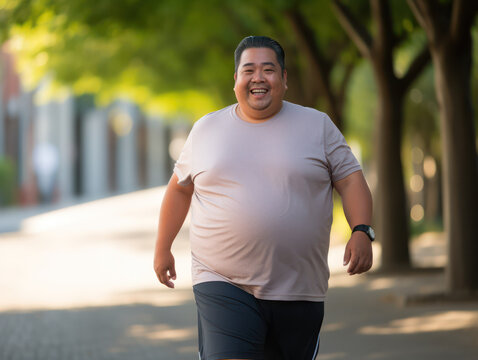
[136,331]
[364,320]
[78,283]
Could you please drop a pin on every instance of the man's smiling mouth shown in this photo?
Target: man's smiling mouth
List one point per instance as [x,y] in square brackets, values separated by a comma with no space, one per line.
[259,91]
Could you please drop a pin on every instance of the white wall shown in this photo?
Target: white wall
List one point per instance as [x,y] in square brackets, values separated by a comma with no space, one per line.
[126,149]
[157,153]
[66,138]
[95,153]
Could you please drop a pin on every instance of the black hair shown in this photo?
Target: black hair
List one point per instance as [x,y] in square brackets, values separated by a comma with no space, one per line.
[259,42]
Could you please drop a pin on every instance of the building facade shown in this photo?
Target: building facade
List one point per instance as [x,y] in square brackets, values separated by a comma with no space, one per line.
[60,149]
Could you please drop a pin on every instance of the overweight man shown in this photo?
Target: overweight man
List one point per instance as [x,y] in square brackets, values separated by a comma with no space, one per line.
[259,177]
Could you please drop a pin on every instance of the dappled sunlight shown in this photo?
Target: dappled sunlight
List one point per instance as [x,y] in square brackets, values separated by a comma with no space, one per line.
[161,298]
[333,327]
[113,215]
[398,288]
[130,332]
[429,250]
[98,253]
[162,332]
[345,281]
[445,321]
[63,276]
[382,283]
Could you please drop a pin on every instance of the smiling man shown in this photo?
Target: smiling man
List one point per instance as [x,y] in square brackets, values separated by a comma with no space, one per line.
[259,177]
[260,86]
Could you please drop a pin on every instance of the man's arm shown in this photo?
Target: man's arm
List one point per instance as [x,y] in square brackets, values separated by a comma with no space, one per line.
[357,204]
[173,211]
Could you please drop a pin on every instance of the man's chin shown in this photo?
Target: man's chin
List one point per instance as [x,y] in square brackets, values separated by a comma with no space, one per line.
[259,106]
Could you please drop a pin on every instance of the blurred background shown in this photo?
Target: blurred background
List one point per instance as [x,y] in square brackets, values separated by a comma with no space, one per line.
[98,97]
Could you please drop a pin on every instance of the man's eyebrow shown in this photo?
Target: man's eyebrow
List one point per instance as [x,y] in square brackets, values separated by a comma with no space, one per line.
[264,63]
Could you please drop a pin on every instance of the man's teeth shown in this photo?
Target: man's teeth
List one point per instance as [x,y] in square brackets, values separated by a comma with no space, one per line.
[259,91]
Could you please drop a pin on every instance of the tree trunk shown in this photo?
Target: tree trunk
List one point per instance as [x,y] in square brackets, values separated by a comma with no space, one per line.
[319,65]
[452,63]
[390,197]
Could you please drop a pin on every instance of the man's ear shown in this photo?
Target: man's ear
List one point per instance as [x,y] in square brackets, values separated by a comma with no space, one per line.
[284,76]
[235,79]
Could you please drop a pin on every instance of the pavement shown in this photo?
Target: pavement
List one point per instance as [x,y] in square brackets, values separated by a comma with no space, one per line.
[77,283]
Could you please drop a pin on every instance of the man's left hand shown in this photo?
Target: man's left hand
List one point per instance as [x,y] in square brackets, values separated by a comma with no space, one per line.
[358,253]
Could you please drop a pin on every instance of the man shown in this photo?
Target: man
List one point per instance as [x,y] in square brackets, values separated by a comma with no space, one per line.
[260,174]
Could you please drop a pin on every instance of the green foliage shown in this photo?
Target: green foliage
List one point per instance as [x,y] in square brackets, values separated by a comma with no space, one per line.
[404,23]
[324,23]
[340,230]
[418,228]
[140,50]
[145,49]
[7,182]
[421,108]
[360,108]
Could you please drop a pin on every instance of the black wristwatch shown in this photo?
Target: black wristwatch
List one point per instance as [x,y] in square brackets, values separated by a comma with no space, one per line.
[367,230]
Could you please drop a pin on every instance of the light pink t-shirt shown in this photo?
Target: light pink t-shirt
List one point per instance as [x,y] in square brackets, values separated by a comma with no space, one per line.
[262,206]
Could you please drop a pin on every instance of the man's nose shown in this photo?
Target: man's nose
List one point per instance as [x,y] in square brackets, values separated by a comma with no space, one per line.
[258,76]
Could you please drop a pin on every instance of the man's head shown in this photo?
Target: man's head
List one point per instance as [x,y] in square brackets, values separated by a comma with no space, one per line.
[259,42]
[260,78]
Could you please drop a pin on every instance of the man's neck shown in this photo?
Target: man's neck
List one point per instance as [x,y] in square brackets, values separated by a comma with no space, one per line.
[256,119]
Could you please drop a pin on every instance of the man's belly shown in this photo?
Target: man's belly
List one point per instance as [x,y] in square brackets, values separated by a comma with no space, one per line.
[247,243]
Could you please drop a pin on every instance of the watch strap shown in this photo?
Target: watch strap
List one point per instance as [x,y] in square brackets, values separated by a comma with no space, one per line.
[367,229]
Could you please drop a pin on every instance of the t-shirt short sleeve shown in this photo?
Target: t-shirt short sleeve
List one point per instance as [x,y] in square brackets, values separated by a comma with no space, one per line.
[183,166]
[340,158]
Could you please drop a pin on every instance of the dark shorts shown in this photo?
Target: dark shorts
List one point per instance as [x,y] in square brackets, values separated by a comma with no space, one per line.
[233,324]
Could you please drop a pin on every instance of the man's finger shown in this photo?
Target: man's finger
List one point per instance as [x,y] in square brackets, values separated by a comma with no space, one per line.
[364,265]
[361,266]
[164,279]
[172,272]
[347,255]
[353,264]
[361,269]
[162,276]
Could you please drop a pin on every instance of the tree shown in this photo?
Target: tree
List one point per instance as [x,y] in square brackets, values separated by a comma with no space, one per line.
[325,50]
[390,199]
[156,51]
[448,28]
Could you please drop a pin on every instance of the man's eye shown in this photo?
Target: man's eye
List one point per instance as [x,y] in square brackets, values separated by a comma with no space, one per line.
[269,70]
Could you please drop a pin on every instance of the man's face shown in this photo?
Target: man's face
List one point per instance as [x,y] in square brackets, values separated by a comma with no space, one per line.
[260,84]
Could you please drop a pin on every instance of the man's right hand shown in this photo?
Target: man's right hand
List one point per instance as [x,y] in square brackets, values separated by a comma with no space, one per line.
[174,208]
[164,268]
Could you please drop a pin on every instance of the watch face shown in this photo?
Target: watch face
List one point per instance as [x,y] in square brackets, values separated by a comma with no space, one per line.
[371,233]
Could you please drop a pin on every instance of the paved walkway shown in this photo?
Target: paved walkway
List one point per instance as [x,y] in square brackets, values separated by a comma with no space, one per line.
[77,283]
